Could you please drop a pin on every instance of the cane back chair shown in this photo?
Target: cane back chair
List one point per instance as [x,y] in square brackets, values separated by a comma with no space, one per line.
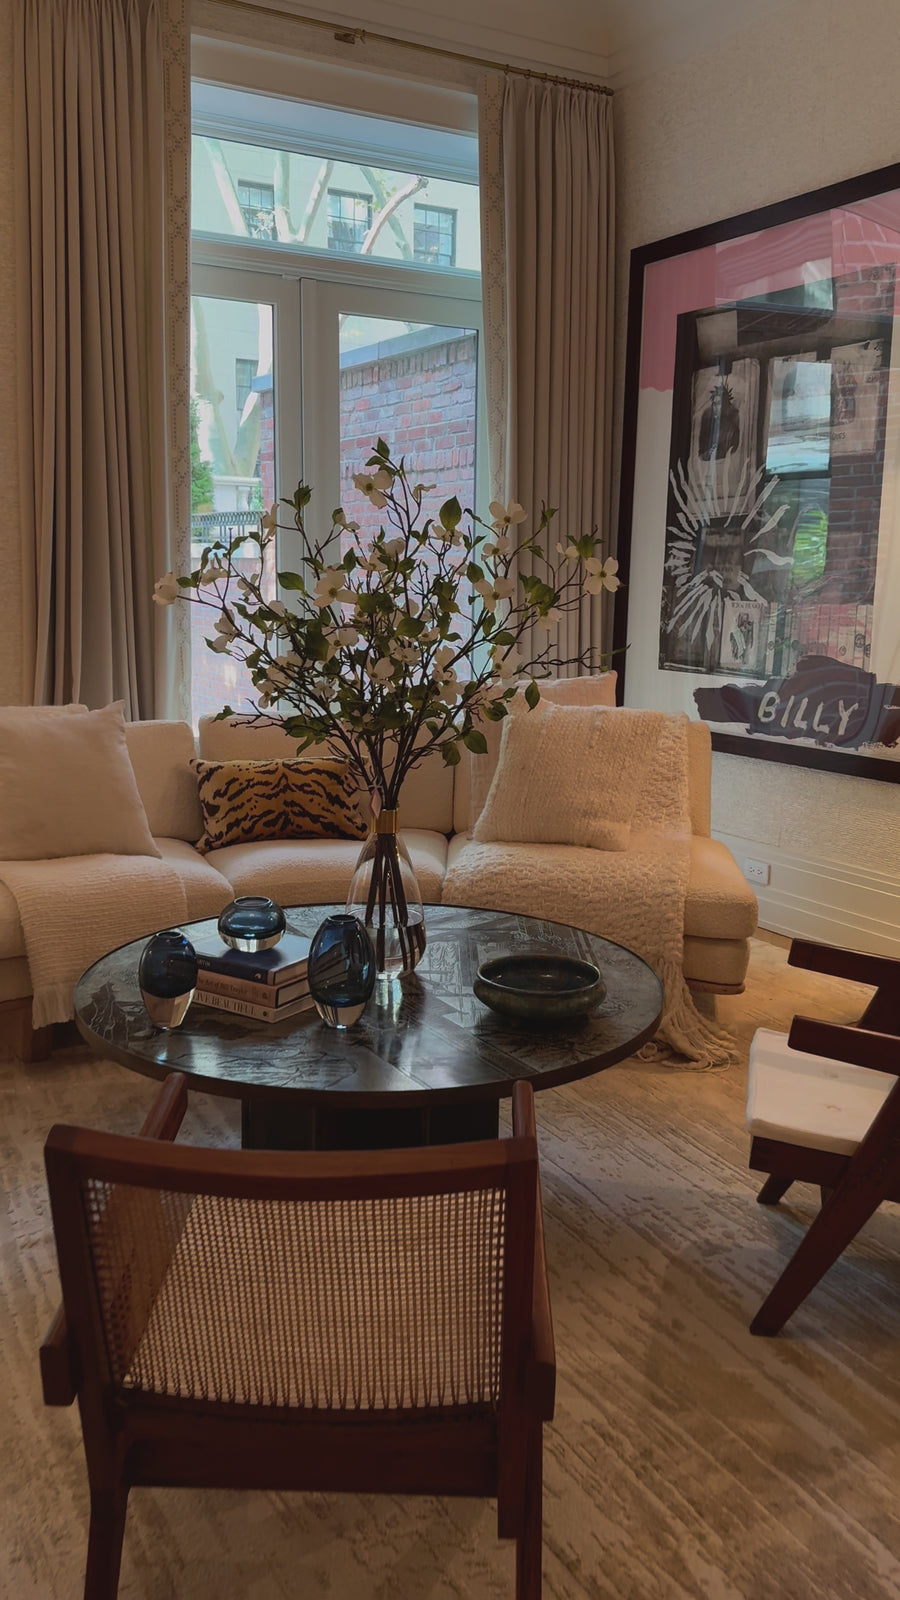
[823,1107]
[374,1321]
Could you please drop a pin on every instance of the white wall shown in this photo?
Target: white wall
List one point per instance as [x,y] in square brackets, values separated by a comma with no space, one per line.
[809,100]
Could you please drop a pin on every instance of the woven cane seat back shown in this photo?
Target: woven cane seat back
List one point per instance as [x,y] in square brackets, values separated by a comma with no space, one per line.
[367,1304]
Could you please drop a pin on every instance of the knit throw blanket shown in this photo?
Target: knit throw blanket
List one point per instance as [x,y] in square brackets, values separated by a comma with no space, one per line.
[77,908]
[634,897]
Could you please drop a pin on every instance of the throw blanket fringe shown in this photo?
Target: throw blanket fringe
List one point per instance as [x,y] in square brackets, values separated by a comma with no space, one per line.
[75,909]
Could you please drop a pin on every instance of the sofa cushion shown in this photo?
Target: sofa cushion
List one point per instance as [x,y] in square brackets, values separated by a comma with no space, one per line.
[569,775]
[309,872]
[474,774]
[67,786]
[297,798]
[161,755]
[426,800]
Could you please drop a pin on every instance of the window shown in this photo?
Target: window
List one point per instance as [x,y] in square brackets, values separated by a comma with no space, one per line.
[244,373]
[349,220]
[257,203]
[434,235]
[287,307]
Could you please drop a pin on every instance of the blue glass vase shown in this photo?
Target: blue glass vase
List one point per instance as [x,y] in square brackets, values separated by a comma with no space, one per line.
[251,922]
[341,970]
[167,976]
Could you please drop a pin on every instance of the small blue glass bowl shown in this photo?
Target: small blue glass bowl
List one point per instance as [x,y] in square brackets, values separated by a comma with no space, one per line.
[251,922]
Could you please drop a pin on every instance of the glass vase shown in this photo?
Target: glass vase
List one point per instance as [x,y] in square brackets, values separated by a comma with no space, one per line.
[386,897]
[167,978]
[341,970]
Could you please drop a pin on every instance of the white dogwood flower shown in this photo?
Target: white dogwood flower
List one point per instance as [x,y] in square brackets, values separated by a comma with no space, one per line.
[601,575]
[165,590]
[331,587]
[372,485]
[506,516]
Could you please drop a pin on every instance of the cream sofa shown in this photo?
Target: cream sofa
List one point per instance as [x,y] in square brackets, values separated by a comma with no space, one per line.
[436,806]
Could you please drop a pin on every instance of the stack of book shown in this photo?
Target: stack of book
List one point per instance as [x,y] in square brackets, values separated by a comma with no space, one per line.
[267,985]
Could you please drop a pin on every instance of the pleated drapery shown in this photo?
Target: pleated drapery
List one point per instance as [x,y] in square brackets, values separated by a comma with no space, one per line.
[548,197]
[95,375]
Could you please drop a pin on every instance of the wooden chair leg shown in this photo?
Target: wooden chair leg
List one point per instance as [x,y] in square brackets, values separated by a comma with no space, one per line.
[837,1223]
[772,1190]
[107,1531]
[530,1542]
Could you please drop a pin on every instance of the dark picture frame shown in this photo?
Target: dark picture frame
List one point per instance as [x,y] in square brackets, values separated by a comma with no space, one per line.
[759,522]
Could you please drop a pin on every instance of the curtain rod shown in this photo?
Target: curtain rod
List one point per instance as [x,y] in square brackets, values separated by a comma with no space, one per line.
[353,36]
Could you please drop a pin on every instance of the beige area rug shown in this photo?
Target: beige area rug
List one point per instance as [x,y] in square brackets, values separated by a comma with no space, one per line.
[687,1460]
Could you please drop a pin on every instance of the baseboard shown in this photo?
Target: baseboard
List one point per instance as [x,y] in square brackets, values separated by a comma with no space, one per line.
[824,900]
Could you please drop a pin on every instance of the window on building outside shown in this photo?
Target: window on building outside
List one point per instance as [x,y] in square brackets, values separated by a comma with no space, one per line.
[244,373]
[434,235]
[257,203]
[349,220]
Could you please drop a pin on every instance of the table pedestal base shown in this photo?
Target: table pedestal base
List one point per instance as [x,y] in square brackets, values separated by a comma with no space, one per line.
[270,1125]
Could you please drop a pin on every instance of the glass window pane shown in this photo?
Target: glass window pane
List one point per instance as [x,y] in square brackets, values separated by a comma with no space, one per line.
[314,203]
[232,467]
[413,385]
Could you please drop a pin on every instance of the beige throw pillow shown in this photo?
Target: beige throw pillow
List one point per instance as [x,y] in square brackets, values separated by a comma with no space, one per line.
[67,787]
[567,775]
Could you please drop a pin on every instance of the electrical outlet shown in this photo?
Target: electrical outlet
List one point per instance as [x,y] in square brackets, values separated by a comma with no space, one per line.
[756,871]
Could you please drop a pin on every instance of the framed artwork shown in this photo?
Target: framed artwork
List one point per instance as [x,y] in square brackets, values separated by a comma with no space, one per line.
[759,537]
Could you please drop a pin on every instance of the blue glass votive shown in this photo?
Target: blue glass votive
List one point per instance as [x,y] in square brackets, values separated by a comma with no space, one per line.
[251,922]
[167,977]
[341,970]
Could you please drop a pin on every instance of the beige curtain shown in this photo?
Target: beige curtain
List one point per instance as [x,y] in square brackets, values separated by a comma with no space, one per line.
[102,342]
[547,195]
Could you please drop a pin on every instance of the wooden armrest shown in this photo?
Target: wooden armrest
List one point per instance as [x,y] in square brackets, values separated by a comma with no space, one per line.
[839,963]
[543,1350]
[167,1111]
[859,1047]
[60,1372]
[60,1368]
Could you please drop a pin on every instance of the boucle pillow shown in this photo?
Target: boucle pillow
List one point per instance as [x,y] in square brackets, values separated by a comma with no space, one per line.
[294,799]
[567,775]
[67,786]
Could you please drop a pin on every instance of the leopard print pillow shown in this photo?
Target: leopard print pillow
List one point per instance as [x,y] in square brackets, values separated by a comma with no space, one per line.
[293,799]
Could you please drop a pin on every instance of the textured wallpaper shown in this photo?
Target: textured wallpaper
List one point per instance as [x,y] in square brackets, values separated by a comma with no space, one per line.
[809,100]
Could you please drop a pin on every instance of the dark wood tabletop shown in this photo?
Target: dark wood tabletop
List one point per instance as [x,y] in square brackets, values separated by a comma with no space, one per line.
[427,1062]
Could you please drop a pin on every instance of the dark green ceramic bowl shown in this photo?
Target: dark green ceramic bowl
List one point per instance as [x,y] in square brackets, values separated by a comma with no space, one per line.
[539,988]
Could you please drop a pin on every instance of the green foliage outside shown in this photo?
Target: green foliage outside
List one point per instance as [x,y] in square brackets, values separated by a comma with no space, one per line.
[201,470]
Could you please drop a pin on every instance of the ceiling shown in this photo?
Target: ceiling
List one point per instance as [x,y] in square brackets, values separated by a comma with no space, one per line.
[615,41]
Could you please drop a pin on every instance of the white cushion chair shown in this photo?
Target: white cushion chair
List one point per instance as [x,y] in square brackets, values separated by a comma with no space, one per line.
[823,1107]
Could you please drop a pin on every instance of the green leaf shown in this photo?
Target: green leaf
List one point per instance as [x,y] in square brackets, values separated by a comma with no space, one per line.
[290,580]
[474,572]
[532,695]
[494,710]
[476,742]
[450,514]
[382,450]
[451,755]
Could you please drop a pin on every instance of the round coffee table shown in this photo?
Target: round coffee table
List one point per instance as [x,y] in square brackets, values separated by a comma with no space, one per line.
[427,1064]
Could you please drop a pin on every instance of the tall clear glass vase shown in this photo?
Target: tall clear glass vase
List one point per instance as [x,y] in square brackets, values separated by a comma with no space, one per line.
[385,895]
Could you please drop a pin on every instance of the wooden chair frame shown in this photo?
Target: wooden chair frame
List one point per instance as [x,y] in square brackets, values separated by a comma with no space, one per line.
[132,1439]
[852,1186]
